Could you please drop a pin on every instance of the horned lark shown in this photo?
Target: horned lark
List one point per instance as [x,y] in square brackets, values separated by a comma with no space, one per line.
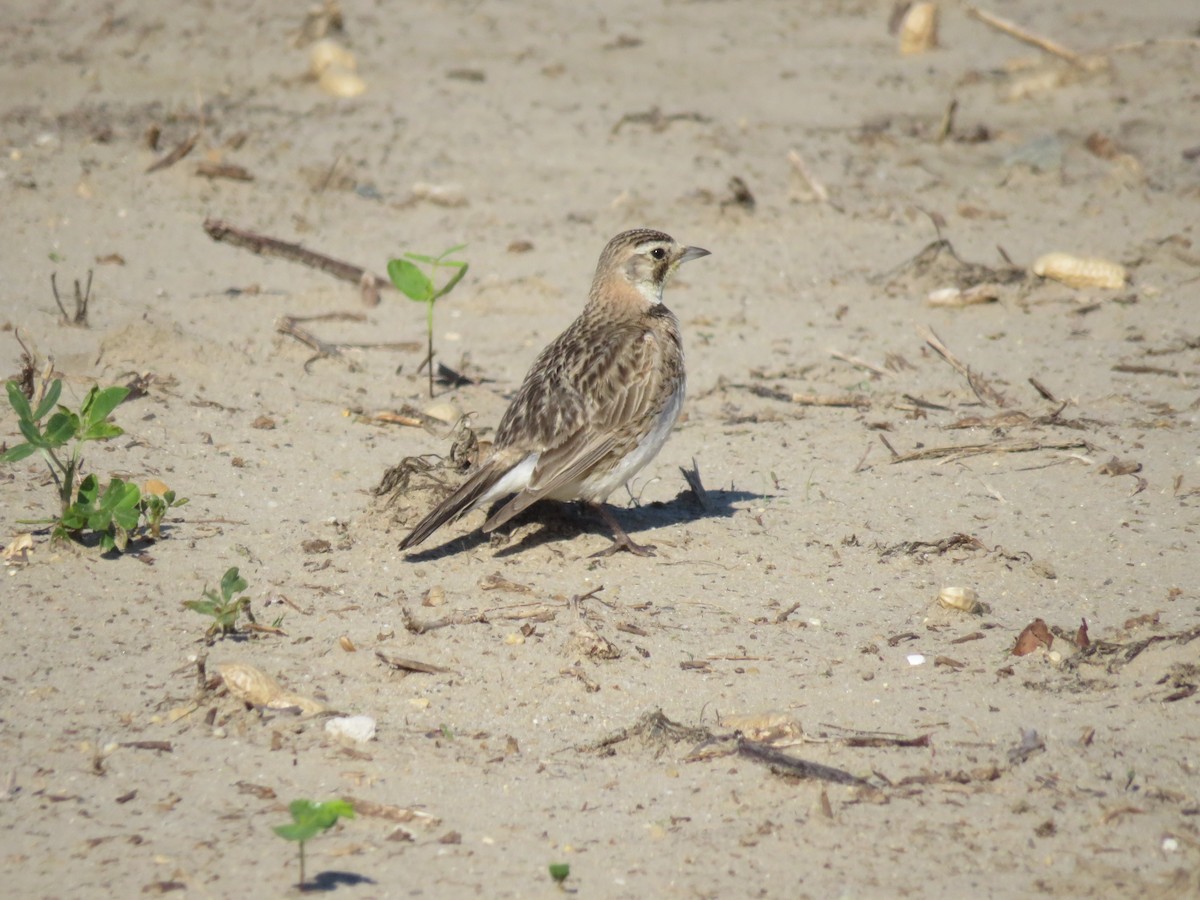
[598,403]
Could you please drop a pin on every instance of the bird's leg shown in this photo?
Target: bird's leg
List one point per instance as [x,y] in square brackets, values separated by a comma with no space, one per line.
[621,541]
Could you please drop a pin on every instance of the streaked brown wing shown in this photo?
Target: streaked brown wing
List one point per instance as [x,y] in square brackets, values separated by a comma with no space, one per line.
[615,387]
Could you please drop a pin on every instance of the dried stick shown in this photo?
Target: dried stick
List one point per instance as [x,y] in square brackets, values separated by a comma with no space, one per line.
[1006,446]
[290,326]
[798,768]
[803,171]
[181,150]
[1023,34]
[858,401]
[220,230]
[860,363]
[478,617]
[978,383]
[410,665]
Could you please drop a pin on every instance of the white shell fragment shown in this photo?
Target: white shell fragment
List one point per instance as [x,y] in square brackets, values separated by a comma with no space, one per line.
[440,194]
[327,54]
[960,598]
[1081,271]
[335,69]
[952,296]
[340,82]
[915,659]
[359,729]
[918,29]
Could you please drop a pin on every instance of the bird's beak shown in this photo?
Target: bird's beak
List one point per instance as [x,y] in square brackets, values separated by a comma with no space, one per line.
[690,253]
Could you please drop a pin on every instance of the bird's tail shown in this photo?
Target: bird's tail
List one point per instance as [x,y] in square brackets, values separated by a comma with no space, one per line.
[465,498]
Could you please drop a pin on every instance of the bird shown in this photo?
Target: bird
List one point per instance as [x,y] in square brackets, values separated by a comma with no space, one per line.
[597,404]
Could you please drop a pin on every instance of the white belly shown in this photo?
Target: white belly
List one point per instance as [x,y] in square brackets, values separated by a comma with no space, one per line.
[598,486]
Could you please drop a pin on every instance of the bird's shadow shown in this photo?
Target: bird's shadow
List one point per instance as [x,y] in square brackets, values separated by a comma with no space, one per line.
[324,882]
[565,521]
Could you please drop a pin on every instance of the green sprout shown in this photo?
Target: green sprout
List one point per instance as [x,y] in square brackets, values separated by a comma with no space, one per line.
[411,281]
[560,872]
[114,512]
[223,608]
[310,819]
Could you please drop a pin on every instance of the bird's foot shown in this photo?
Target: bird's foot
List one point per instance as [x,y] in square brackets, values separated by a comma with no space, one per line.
[621,541]
[625,542]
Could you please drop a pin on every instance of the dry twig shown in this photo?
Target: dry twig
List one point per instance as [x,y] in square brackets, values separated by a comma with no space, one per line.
[983,390]
[220,230]
[814,184]
[1087,63]
[182,149]
[1004,446]
[290,325]
[524,613]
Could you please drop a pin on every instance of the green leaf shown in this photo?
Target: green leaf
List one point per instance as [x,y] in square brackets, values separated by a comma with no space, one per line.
[458,276]
[120,496]
[31,433]
[17,453]
[446,262]
[49,400]
[232,583]
[18,401]
[74,518]
[89,490]
[204,607]
[294,831]
[99,404]
[309,819]
[422,258]
[410,280]
[560,871]
[102,431]
[63,426]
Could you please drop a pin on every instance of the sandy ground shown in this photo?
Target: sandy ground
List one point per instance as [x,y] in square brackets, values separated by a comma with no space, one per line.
[803,585]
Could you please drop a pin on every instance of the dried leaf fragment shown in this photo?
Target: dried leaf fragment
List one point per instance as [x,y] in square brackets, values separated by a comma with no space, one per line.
[1036,634]
[1081,271]
[18,550]
[250,684]
[772,727]
[254,686]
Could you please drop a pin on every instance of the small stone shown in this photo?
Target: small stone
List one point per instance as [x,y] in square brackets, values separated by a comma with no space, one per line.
[357,728]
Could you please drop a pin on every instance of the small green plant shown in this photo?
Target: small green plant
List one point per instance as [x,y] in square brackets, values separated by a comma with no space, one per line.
[411,281]
[560,872]
[223,608]
[310,819]
[114,511]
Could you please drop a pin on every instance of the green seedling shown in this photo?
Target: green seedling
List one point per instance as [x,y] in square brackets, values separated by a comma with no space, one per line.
[560,872]
[224,608]
[114,512]
[411,281]
[154,507]
[310,819]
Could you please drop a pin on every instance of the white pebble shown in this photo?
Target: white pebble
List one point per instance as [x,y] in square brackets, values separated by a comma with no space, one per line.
[358,728]
[915,659]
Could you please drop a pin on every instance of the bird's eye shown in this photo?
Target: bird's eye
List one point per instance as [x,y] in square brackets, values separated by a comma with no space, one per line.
[658,253]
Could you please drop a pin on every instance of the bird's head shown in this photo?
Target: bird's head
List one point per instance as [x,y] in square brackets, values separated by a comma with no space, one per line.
[641,259]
